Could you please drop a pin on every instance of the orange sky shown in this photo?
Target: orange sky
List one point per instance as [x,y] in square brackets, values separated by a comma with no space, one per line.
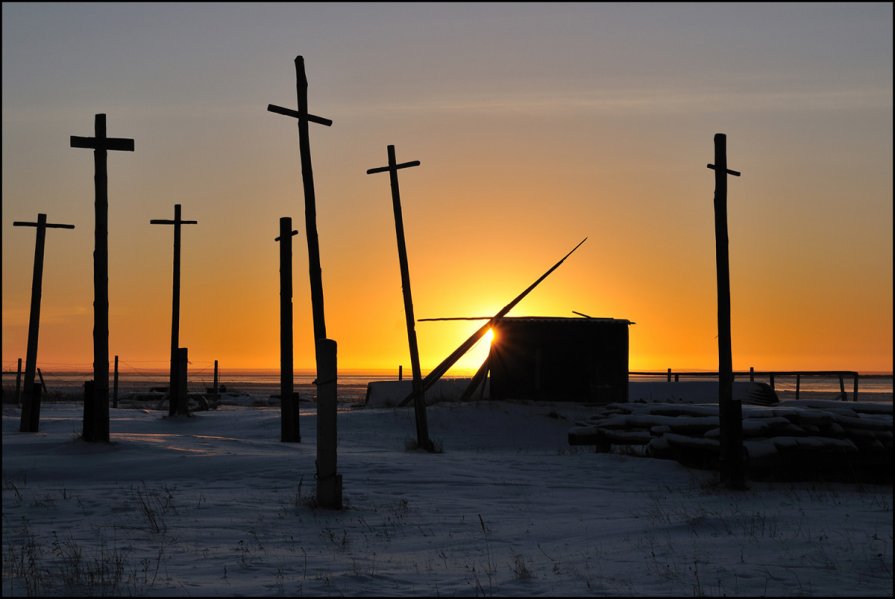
[535,128]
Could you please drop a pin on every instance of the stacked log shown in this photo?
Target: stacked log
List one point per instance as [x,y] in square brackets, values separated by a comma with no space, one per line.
[805,439]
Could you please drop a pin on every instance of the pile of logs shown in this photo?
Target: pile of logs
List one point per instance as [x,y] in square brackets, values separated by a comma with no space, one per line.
[806,439]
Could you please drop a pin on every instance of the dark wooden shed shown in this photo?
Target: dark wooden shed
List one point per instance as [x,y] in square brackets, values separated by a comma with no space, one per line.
[560,359]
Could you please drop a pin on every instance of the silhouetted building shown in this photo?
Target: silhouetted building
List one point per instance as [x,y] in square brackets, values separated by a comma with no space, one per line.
[560,359]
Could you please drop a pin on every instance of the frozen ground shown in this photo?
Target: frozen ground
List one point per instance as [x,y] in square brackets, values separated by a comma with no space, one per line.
[216,505]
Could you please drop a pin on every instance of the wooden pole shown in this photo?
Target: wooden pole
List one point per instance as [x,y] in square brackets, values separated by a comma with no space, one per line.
[752,374]
[855,393]
[329,482]
[30,418]
[214,386]
[842,387]
[730,411]
[400,371]
[419,398]
[289,425]
[100,144]
[115,385]
[799,384]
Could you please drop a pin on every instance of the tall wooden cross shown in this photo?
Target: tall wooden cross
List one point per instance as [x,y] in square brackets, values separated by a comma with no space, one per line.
[173,383]
[329,482]
[730,412]
[31,403]
[422,427]
[289,425]
[307,177]
[96,408]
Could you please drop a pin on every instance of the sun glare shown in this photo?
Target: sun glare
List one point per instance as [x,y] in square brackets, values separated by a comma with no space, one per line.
[489,337]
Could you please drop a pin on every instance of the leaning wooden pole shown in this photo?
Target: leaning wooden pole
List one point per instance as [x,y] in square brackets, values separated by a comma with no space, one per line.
[289,425]
[445,364]
[30,421]
[419,401]
[730,411]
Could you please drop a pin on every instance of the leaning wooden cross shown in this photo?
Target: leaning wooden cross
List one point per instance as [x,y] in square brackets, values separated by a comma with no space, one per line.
[730,411]
[289,425]
[422,427]
[96,404]
[329,482]
[31,399]
[175,402]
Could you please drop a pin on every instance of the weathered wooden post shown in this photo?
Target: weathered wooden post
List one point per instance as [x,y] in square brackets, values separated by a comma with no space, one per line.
[329,482]
[326,380]
[400,372]
[100,144]
[115,385]
[290,431]
[730,411]
[31,400]
[19,382]
[419,401]
[214,385]
[180,398]
[175,303]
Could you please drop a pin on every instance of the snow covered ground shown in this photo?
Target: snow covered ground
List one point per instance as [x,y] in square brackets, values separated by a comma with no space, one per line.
[217,505]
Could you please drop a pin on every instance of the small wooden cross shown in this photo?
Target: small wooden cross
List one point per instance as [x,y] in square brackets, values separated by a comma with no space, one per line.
[422,427]
[289,424]
[31,403]
[175,304]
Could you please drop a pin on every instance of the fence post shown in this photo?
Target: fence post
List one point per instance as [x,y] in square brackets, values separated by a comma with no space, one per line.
[669,375]
[115,385]
[752,374]
[772,380]
[855,395]
[799,383]
[19,383]
[842,394]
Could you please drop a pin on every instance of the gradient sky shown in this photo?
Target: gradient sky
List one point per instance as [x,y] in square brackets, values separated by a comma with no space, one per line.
[536,125]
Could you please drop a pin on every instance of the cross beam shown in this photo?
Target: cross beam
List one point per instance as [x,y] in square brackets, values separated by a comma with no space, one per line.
[96,407]
[31,400]
[173,383]
[422,427]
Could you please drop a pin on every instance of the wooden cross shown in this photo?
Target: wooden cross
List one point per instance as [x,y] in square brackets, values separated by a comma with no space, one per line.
[307,176]
[173,385]
[730,412]
[329,482]
[96,408]
[289,425]
[31,404]
[422,427]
